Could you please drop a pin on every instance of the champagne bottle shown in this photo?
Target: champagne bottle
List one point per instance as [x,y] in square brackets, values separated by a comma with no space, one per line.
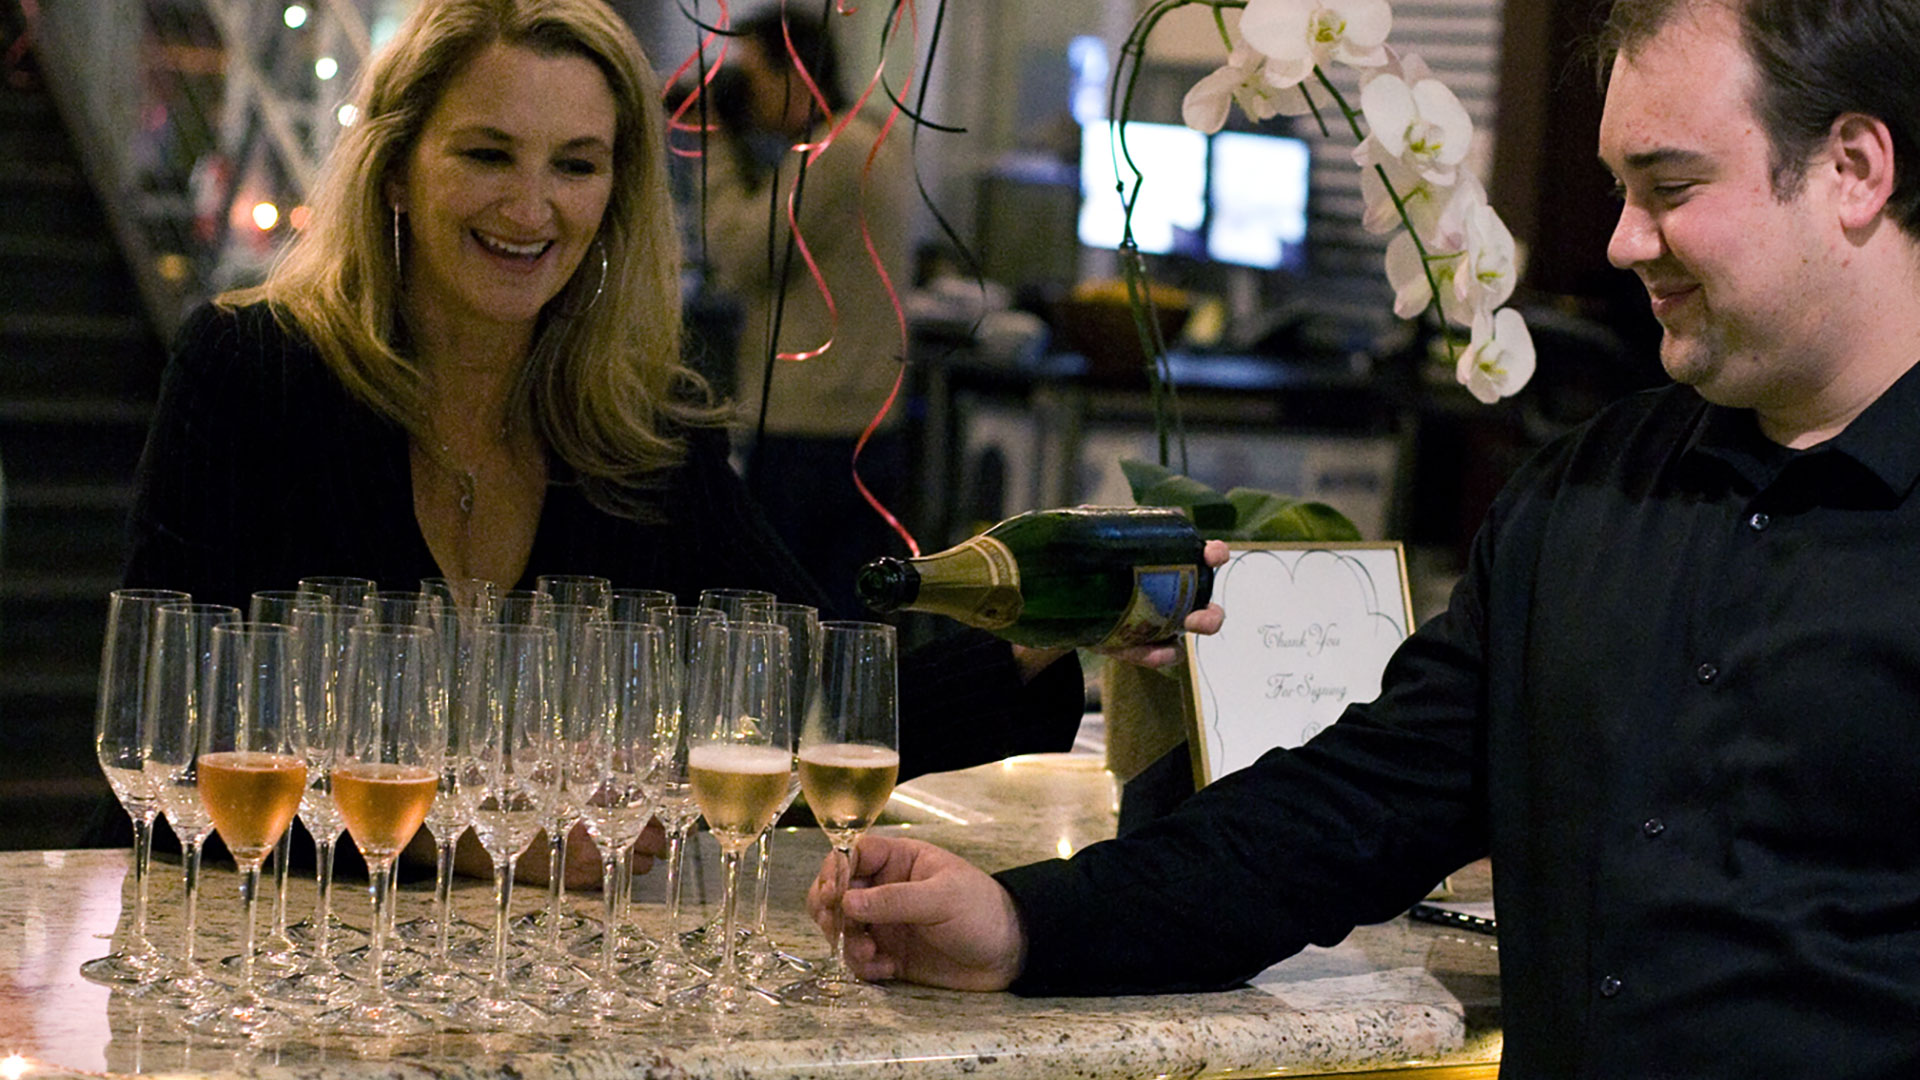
[1107,576]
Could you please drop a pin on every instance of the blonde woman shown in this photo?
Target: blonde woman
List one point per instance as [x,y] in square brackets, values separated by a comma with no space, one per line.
[469,364]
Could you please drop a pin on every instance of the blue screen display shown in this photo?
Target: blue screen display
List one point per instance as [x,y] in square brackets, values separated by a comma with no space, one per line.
[1237,197]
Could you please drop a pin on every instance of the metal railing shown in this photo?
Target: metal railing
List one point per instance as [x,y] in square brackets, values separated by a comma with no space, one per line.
[201,124]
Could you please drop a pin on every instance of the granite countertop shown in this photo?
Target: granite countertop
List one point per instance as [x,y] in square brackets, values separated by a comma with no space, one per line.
[1396,994]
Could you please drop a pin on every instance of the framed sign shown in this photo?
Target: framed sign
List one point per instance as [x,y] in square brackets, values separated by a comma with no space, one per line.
[1309,629]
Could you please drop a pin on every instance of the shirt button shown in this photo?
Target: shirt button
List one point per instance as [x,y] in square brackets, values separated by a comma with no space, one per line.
[1706,673]
[1609,986]
[1652,827]
[1759,522]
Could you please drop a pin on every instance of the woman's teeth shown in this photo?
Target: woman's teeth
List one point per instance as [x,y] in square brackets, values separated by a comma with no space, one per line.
[516,251]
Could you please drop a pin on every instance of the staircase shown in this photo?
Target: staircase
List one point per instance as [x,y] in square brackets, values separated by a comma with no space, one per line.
[79,364]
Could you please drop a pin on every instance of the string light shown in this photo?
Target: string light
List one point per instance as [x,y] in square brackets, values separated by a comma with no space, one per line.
[295,16]
[326,68]
[265,216]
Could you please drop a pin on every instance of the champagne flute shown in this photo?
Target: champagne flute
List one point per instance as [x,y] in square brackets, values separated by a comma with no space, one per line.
[632,605]
[612,771]
[462,606]
[683,631]
[740,762]
[734,605]
[572,698]
[176,698]
[515,782]
[124,661]
[740,605]
[802,621]
[324,628]
[586,589]
[524,607]
[278,952]
[387,756]
[849,761]
[343,591]
[252,773]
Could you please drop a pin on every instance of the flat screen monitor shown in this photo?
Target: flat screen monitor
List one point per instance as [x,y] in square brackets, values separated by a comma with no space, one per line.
[1171,214]
[1236,197]
[1257,200]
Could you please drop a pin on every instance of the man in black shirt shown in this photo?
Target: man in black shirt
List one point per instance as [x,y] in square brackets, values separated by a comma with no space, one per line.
[1677,695]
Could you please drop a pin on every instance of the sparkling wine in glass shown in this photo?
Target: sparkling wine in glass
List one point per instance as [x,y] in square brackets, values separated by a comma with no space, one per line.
[278,952]
[387,756]
[740,764]
[849,762]
[124,663]
[253,770]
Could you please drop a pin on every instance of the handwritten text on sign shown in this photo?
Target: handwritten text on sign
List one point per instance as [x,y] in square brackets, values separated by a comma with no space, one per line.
[1308,632]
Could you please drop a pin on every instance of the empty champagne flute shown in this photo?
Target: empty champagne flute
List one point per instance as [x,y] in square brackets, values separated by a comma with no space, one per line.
[387,756]
[632,605]
[573,697]
[740,605]
[462,606]
[740,762]
[252,773]
[849,761]
[516,780]
[124,661]
[343,591]
[612,771]
[323,630]
[586,589]
[683,631]
[176,697]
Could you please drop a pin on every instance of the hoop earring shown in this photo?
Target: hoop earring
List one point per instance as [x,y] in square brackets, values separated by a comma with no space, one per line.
[599,285]
[399,269]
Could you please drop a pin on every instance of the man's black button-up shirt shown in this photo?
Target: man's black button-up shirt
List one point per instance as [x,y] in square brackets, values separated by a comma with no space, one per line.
[1676,697]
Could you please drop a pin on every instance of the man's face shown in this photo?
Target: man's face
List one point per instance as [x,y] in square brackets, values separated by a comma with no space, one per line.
[1735,274]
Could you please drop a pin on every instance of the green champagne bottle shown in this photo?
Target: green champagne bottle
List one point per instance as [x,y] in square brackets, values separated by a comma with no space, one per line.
[1107,576]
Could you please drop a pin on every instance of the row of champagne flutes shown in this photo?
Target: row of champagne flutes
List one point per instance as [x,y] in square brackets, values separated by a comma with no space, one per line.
[512,714]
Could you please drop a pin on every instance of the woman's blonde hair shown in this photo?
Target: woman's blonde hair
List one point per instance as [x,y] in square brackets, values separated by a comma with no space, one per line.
[604,382]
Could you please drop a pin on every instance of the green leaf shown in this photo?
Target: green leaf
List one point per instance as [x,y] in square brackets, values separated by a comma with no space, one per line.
[1263,515]
[1157,485]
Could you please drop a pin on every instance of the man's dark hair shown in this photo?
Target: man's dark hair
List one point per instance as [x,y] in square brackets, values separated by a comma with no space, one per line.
[811,42]
[1816,60]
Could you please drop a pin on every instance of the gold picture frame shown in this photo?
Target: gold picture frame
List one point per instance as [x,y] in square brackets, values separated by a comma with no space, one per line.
[1309,629]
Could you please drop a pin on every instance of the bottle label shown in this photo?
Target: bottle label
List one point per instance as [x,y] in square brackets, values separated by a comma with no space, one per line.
[1162,596]
[990,597]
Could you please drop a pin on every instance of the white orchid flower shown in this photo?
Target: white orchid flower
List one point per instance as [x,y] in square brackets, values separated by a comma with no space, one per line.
[1407,273]
[1421,123]
[1424,200]
[1499,359]
[1247,80]
[1489,267]
[1315,32]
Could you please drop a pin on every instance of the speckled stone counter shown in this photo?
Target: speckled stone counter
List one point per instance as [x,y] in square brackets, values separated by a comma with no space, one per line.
[1396,994]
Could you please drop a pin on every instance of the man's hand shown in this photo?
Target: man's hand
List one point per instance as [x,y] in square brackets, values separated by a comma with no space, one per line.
[1207,620]
[920,913]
